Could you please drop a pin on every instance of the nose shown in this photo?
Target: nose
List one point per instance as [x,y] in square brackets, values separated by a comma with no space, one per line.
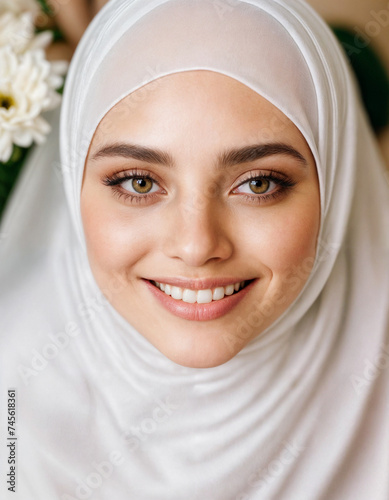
[199,234]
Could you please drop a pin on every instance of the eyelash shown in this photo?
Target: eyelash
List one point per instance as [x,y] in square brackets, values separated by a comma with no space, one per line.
[116,180]
[283,182]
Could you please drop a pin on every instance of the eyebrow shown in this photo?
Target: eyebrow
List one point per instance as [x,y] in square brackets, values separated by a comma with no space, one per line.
[257,152]
[229,158]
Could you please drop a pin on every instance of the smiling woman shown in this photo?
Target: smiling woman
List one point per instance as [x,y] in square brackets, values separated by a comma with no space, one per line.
[208,306]
[247,212]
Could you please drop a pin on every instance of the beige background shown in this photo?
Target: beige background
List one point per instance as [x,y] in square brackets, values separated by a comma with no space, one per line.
[358,14]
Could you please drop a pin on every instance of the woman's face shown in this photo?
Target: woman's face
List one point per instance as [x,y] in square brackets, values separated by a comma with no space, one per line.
[193,185]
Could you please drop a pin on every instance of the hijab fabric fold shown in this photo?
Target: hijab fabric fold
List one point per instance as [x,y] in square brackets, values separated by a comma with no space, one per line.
[302,411]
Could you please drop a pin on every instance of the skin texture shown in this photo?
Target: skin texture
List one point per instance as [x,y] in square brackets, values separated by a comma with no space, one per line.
[200,220]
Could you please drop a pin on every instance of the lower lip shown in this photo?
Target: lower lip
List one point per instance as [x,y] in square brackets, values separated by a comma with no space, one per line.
[199,312]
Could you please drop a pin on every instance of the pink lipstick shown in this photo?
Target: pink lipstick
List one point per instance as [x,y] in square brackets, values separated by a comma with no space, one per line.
[225,296]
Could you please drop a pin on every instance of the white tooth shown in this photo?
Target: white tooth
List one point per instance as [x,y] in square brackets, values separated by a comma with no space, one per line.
[168,290]
[158,284]
[176,292]
[236,286]
[229,289]
[162,286]
[218,293]
[189,296]
[204,296]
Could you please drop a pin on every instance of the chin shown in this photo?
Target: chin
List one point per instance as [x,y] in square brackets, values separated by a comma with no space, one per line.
[199,353]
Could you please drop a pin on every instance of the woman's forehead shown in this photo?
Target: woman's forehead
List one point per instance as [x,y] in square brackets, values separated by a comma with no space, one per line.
[198,113]
[195,98]
[249,45]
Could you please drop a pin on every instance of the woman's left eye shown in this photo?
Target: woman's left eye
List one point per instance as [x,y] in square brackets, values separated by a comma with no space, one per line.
[257,185]
[263,188]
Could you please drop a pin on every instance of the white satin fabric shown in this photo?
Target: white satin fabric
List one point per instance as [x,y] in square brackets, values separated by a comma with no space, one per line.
[301,413]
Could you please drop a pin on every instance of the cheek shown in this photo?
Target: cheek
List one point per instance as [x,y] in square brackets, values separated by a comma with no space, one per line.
[286,241]
[115,241]
[297,243]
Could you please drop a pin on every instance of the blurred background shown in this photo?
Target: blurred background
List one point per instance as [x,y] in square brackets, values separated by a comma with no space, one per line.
[362,27]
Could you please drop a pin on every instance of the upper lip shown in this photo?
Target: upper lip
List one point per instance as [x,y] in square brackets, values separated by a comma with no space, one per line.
[198,284]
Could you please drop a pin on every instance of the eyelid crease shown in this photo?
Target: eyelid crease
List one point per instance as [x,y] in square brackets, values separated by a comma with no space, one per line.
[272,175]
[120,177]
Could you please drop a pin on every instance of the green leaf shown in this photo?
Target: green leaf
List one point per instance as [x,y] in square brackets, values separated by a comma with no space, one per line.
[9,173]
[45,7]
[371,75]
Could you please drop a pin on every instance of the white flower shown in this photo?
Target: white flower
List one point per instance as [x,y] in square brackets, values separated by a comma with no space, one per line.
[18,31]
[19,6]
[27,88]
[27,80]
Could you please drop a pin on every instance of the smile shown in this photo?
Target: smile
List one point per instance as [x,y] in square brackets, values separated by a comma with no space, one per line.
[191,296]
[203,300]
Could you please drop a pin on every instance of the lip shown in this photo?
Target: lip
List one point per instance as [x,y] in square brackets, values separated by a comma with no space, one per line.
[198,312]
[198,284]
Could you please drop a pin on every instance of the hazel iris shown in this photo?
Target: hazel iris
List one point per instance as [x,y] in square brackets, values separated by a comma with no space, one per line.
[142,184]
[259,186]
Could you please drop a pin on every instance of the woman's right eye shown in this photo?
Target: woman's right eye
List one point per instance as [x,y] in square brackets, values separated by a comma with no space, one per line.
[133,186]
[139,185]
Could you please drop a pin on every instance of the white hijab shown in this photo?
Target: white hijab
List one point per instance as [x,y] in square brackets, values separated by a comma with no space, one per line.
[302,411]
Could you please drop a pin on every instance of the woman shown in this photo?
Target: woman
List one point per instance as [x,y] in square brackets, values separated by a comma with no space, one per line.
[205,316]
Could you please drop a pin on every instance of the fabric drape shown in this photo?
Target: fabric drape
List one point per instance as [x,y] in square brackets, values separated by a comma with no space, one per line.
[302,411]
